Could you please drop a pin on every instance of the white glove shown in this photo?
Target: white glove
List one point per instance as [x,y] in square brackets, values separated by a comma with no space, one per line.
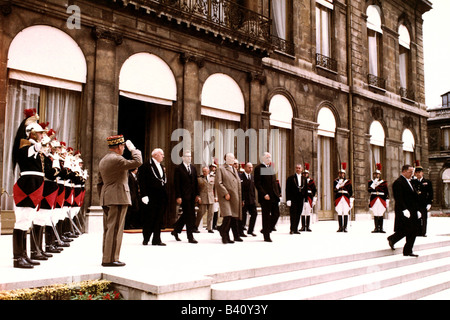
[130,145]
[55,164]
[428,207]
[419,215]
[45,140]
[145,200]
[406,213]
[288,203]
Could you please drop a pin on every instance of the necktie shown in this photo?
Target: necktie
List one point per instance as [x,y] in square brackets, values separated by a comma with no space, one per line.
[188,169]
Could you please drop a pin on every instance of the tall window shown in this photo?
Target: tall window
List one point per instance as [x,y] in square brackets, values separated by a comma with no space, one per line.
[374,34]
[279,18]
[404,58]
[377,138]
[408,147]
[280,130]
[325,156]
[57,106]
[323,27]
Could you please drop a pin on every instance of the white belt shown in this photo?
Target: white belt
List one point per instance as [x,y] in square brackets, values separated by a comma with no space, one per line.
[67,183]
[77,186]
[342,191]
[378,193]
[309,191]
[32,173]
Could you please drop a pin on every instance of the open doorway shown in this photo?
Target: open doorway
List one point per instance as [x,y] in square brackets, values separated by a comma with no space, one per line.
[146,124]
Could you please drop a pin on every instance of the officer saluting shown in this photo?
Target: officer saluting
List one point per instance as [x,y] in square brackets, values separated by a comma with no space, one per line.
[343,201]
[379,198]
[424,191]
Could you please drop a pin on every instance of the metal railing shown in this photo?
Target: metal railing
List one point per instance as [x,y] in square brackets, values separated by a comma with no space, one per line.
[326,62]
[407,93]
[283,45]
[223,16]
[376,81]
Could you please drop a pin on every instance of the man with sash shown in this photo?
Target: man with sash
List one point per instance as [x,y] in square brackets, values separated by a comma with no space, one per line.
[379,198]
[343,201]
[311,199]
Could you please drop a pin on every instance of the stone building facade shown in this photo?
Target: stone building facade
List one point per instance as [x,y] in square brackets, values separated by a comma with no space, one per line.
[330,81]
[439,154]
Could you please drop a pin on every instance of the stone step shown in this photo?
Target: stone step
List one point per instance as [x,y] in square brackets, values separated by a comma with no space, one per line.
[441,295]
[411,290]
[370,284]
[332,271]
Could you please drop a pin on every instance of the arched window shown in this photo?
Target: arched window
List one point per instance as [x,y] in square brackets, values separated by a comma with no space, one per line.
[280,124]
[408,147]
[222,104]
[446,182]
[46,71]
[325,156]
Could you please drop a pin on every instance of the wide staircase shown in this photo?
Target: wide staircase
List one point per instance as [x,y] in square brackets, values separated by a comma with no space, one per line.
[382,274]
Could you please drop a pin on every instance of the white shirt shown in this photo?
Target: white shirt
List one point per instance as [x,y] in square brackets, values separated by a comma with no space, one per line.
[158,165]
[299,179]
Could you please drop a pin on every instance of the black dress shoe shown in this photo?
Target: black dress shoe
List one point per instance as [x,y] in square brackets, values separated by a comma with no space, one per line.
[145,243]
[175,234]
[113,264]
[410,255]
[251,233]
[238,240]
[192,240]
[391,244]
[158,244]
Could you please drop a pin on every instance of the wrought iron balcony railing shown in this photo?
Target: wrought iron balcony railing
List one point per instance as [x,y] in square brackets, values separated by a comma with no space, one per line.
[326,62]
[283,45]
[222,17]
[407,93]
[376,81]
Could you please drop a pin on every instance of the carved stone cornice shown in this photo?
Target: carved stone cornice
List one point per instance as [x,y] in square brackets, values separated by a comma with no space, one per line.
[101,33]
[256,76]
[187,57]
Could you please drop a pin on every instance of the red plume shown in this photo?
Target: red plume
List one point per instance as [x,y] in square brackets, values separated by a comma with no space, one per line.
[44,125]
[417,162]
[378,166]
[344,165]
[307,166]
[29,112]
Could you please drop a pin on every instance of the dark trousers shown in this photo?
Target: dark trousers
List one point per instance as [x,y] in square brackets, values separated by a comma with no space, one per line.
[187,218]
[424,221]
[410,239]
[270,214]
[251,209]
[295,212]
[153,217]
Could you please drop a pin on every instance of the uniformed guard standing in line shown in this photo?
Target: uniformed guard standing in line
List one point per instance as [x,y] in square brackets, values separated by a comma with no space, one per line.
[424,189]
[343,201]
[379,198]
[29,188]
[311,199]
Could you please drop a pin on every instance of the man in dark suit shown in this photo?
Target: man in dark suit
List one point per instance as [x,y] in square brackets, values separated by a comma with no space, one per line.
[424,189]
[248,199]
[268,194]
[152,183]
[296,188]
[407,216]
[186,195]
[132,219]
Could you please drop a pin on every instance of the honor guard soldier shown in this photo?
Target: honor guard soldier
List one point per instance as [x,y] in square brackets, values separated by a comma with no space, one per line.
[311,199]
[29,188]
[379,198]
[45,211]
[295,196]
[343,201]
[424,190]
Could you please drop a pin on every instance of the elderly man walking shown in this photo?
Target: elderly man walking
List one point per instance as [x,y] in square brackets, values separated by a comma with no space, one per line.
[114,195]
[228,188]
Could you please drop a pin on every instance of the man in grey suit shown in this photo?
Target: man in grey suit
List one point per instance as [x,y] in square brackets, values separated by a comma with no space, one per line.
[206,190]
[114,195]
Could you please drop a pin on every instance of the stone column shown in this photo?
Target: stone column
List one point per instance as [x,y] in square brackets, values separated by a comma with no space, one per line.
[105,113]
